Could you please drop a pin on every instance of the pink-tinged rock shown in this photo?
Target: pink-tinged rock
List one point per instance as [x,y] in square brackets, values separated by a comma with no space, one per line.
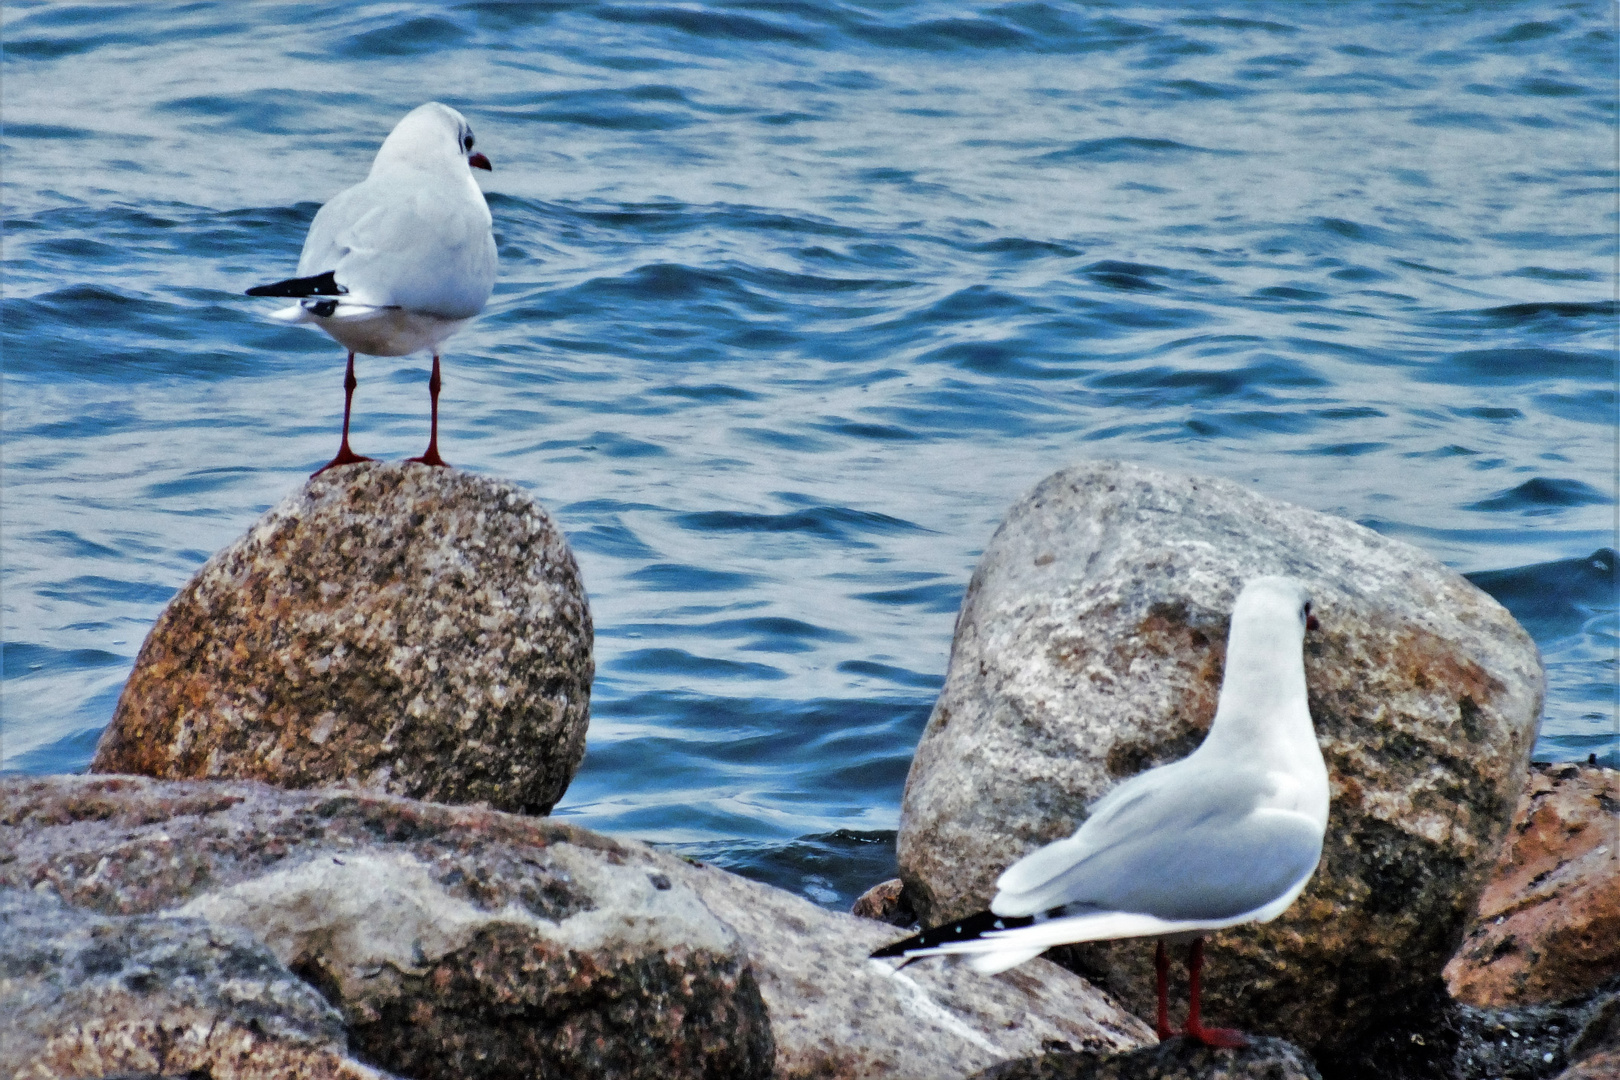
[1548,925]
[413,630]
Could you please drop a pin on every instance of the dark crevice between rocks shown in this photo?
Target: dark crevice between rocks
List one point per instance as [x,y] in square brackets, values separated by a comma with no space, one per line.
[1178,1058]
[1441,1039]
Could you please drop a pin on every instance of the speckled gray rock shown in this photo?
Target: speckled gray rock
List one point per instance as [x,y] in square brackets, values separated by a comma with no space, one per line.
[458,940]
[458,943]
[838,1015]
[1175,1059]
[87,995]
[1090,647]
[407,629]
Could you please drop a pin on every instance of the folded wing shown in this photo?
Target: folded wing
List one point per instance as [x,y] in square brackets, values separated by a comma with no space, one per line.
[1172,851]
[395,245]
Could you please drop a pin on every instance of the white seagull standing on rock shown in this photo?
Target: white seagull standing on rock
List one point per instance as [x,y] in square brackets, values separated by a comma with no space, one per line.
[1230,834]
[402,260]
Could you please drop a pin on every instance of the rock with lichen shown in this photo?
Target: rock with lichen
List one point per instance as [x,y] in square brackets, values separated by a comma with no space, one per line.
[414,630]
[1090,647]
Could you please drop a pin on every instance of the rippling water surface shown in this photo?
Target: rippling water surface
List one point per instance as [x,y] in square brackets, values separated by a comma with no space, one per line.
[795,299]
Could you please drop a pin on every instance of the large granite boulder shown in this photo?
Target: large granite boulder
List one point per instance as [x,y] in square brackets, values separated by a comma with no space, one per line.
[1089,648]
[460,941]
[1548,925]
[408,629]
[88,995]
[457,943]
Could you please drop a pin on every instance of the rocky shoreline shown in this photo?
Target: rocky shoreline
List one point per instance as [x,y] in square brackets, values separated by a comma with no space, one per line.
[331,863]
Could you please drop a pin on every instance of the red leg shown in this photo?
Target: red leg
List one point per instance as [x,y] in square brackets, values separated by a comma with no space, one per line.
[345,456]
[431,455]
[1161,965]
[1222,1037]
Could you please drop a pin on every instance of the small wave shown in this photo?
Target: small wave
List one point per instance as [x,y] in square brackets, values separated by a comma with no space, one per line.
[1555,599]
[944,597]
[681,577]
[1161,385]
[1494,366]
[1525,31]
[94,589]
[829,522]
[829,869]
[1127,148]
[19,659]
[420,36]
[725,26]
[1543,495]
[1596,406]
[679,662]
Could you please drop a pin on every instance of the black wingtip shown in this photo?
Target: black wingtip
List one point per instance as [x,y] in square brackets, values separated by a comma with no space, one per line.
[968,929]
[318,285]
[897,949]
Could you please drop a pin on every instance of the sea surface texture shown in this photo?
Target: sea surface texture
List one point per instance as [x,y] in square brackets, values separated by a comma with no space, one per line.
[795,299]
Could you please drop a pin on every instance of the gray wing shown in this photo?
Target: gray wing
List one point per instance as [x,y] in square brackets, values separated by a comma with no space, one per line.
[1182,844]
[397,245]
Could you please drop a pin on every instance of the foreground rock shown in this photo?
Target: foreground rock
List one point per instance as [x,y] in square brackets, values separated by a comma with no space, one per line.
[413,630]
[460,941]
[455,942]
[1175,1059]
[86,995]
[839,1016]
[1548,926]
[1090,647]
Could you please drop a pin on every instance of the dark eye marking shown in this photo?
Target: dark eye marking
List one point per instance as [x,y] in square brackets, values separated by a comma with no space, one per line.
[467,142]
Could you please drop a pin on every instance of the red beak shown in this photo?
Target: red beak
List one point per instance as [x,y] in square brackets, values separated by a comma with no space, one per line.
[1311,623]
[479,161]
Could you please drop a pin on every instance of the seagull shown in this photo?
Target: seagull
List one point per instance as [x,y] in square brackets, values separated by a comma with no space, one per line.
[402,260]
[1228,835]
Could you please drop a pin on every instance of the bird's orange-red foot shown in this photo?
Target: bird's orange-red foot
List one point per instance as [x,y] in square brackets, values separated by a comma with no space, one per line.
[1220,1038]
[345,456]
[1223,1038]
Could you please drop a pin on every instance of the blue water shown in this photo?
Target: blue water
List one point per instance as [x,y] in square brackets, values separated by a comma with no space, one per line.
[795,299]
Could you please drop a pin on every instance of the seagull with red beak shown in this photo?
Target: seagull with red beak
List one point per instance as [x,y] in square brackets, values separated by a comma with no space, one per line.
[402,260]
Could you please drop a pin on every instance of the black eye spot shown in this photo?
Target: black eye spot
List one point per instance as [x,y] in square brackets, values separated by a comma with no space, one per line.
[467,142]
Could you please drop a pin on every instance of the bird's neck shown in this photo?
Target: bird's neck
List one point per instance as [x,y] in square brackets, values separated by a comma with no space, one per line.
[1262,712]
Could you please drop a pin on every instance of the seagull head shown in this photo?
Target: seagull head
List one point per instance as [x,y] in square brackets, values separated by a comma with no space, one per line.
[431,136]
[1272,607]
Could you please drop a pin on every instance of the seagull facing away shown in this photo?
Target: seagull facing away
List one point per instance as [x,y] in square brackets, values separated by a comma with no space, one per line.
[1229,834]
[402,260]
